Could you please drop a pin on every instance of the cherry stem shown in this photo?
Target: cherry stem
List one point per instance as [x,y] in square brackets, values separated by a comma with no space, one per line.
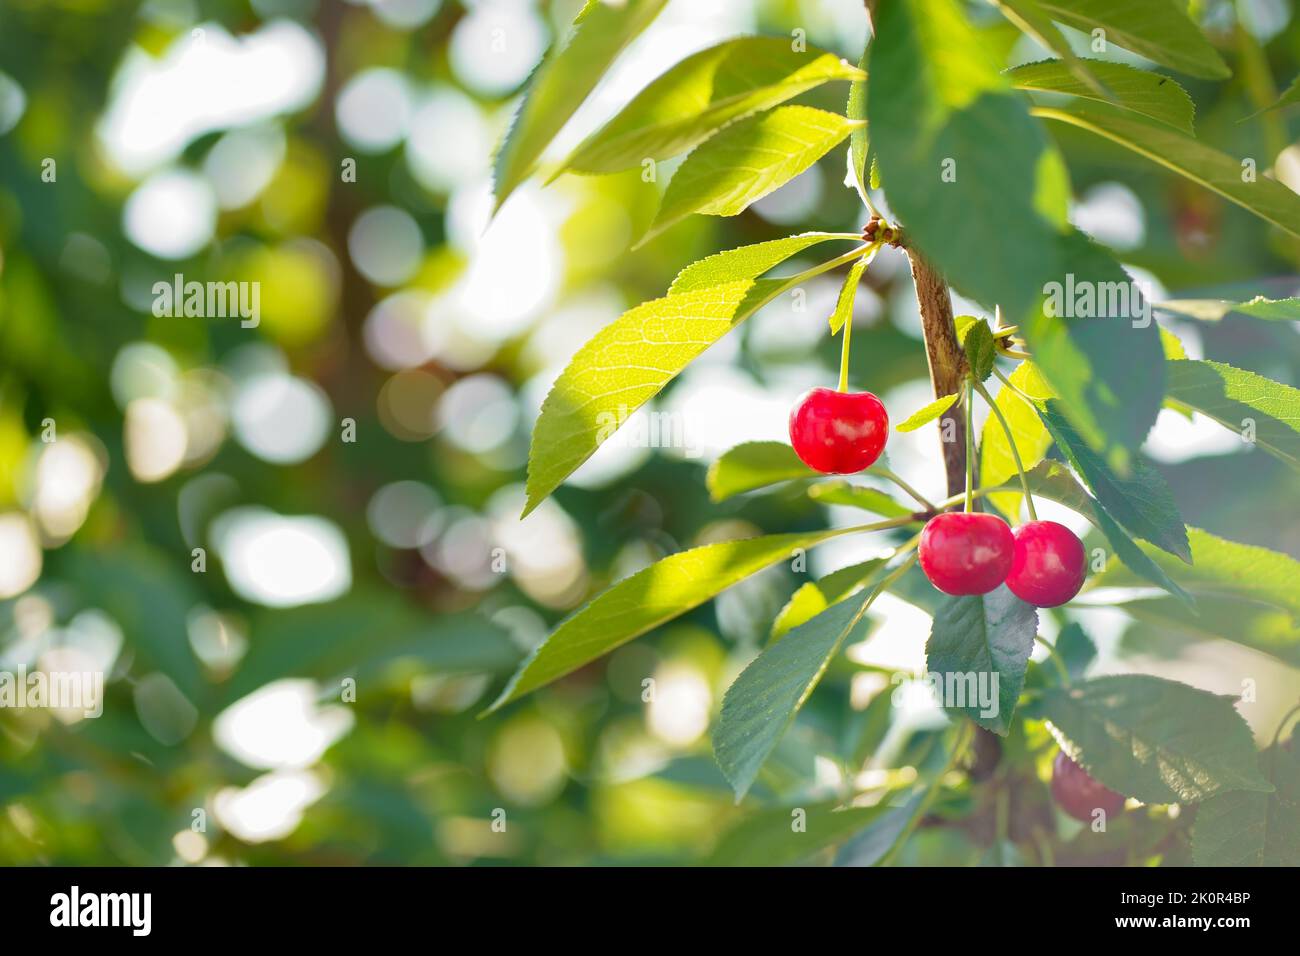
[890,476]
[844,353]
[1013,386]
[1061,669]
[1282,725]
[1015,453]
[970,449]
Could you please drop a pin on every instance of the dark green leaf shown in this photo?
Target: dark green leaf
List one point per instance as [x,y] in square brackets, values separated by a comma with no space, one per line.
[764,699]
[979,646]
[1154,739]
[1141,502]
[1245,828]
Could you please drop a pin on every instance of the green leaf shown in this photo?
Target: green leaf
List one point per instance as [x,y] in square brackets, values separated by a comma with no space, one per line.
[1289,97]
[628,362]
[1140,502]
[977,342]
[653,596]
[702,94]
[763,700]
[813,597]
[1154,739]
[960,150]
[753,465]
[927,413]
[1190,158]
[848,292]
[563,80]
[1246,828]
[1233,397]
[1032,439]
[979,645]
[1223,568]
[748,160]
[1159,30]
[748,262]
[1031,20]
[1212,310]
[1172,345]
[841,491]
[1104,363]
[1141,91]
[769,837]
[856,109]
[359,634]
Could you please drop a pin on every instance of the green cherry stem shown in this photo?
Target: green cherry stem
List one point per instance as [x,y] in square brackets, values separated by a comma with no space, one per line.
[1015,453]
[970,447]
[1061,669]
[1013,386]
[890,476]
[844,354]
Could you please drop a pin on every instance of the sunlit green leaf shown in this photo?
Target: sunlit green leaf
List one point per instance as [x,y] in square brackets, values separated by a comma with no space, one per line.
[748,160]
[927,413]
[702,94]
[567,74]
[652,596]
[753,465]
[748,262]
[813,597]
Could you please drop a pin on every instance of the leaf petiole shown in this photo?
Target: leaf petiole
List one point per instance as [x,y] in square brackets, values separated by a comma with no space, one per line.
[1057,660]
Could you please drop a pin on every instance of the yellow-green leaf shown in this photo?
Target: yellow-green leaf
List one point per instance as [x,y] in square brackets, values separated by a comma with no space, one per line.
[927,413]
[702,94]
[566,76]
[651,597]
[748,160]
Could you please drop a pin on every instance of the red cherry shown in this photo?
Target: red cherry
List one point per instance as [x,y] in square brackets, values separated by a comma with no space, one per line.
[966,552]
[838,433]
[1078,794]
[1048,564]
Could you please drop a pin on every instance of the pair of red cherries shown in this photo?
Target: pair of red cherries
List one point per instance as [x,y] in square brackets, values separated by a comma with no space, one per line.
[1041,562]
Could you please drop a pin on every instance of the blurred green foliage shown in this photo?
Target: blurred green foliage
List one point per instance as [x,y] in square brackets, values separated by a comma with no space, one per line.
[584,771]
